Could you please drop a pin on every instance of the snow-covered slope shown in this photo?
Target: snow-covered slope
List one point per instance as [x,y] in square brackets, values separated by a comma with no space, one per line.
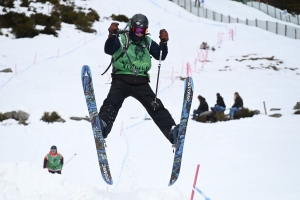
[254,158]
[237,10]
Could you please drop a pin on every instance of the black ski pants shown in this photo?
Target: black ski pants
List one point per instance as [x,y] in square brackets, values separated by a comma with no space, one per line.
[53,172]
[120,90]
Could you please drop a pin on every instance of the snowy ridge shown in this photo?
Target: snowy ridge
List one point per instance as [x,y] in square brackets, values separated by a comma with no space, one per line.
[42,185]
[238,157]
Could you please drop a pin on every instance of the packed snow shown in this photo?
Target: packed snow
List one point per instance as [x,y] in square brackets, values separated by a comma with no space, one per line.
[252,158]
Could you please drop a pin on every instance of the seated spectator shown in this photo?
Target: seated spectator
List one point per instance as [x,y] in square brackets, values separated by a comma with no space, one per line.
[202,107]
[220,106]
[238,105]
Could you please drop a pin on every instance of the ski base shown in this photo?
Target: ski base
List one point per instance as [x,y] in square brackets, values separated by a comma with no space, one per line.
[87,84]
[187,102]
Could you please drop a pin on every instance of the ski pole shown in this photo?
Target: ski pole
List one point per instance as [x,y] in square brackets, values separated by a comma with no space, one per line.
[154,103]
[70,159]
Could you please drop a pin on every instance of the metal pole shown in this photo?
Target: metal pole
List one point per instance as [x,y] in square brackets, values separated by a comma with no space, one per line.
[267,8]
[285,30]
[256,22]
[267,25]
[154,103]
[69,159]
[265,108]
[276,27]
[280,16]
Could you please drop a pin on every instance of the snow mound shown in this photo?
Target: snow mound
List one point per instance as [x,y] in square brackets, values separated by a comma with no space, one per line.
[26,180]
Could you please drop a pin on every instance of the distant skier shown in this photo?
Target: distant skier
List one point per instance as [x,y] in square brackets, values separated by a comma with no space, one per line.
[202,107]
[238,105]
[130,75]
[53,161]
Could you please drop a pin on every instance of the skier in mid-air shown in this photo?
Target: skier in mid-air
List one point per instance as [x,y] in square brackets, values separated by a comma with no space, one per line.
[130,75]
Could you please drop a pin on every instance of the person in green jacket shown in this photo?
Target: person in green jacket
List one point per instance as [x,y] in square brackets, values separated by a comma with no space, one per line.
[130,75]
[54,161]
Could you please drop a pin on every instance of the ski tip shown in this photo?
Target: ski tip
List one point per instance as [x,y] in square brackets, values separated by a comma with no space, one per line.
[107,180]
[172,182]
[85,70]
[173,179]
[190,79]
[110,183]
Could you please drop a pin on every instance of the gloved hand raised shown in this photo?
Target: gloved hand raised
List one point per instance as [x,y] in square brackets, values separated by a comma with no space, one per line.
[163,35]
[113,28]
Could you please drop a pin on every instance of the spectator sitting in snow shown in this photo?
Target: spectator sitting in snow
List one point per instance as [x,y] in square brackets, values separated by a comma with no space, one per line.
[238,105]
[53,161]
[220,106]
[202,107]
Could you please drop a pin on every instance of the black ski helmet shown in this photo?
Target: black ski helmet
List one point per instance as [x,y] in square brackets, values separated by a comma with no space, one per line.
[53,147]
[139,20]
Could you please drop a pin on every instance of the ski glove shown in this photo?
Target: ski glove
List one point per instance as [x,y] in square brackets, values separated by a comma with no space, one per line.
[113,28]
[163,35]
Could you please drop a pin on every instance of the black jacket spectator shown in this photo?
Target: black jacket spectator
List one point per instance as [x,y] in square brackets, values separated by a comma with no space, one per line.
[220,102]
[203,105]
[238,103]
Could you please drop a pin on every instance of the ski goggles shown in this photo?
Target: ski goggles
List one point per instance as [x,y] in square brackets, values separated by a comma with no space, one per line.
[138,30]
[53,150]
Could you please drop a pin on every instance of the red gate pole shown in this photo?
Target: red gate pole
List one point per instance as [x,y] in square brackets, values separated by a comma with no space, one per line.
[195,181]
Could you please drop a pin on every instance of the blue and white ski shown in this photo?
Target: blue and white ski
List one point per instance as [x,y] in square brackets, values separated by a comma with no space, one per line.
[187,102]
[87,84]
